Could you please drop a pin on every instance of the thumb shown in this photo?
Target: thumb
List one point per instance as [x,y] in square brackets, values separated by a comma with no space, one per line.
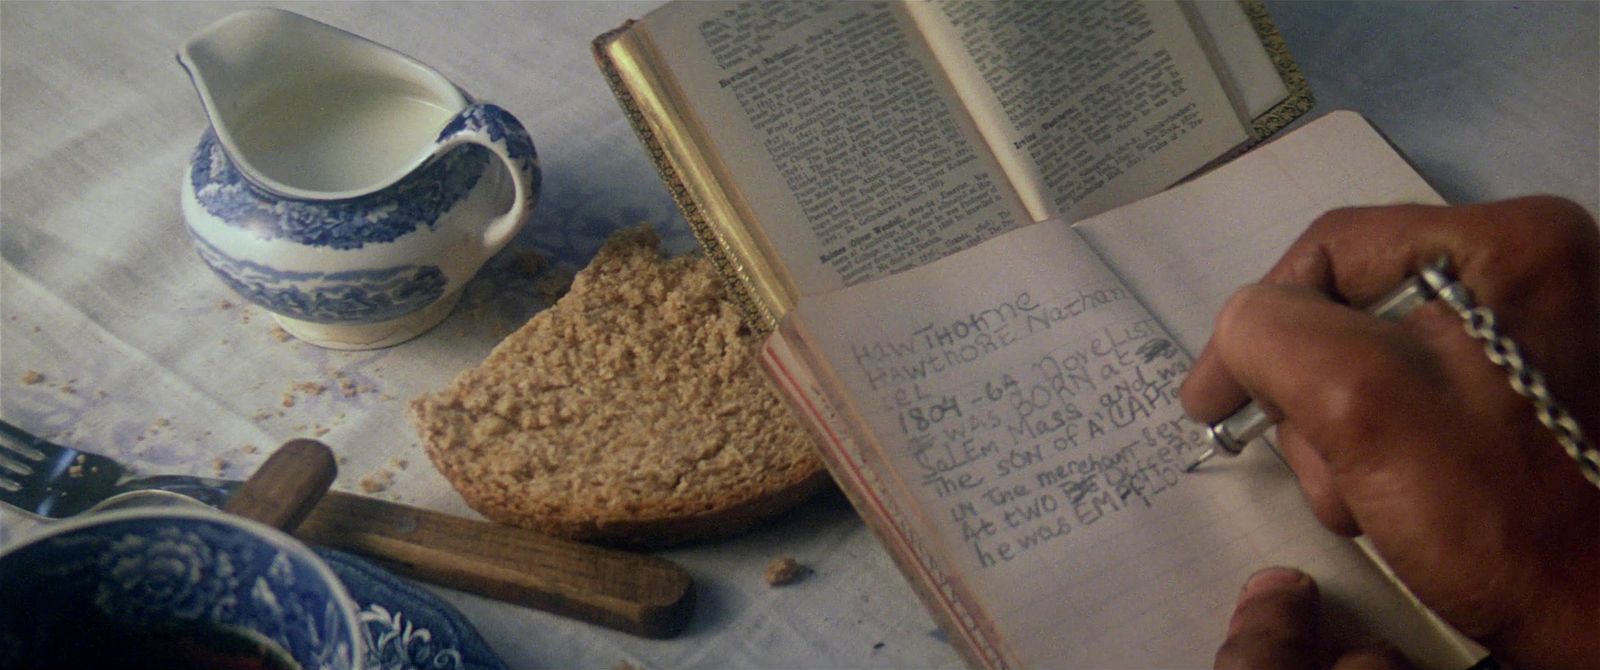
[1274,624]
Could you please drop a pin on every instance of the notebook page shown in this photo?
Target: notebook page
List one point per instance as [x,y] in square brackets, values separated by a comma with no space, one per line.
[1024,402]
[1186,250]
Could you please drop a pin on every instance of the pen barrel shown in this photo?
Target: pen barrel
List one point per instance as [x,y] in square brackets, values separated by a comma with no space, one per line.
[1232,433]
[1395,305]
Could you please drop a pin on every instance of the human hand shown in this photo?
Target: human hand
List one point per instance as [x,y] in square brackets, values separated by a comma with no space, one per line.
[1405,432]
[1274,627]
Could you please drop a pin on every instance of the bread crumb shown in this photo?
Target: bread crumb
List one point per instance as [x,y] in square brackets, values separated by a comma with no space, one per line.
[377,482]
[288,400]
[310,388]
[76,469]
[624,665]
[250,449]
[783,571]
[281,335]
[218,464]
[224,304]
[155,427]
[31,377]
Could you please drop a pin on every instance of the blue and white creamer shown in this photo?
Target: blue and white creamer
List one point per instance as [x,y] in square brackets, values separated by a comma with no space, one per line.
[344,187]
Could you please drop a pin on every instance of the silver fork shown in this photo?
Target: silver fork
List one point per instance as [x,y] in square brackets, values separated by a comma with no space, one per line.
[53,481]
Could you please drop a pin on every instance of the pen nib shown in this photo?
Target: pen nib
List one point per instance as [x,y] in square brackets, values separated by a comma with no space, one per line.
[1204,456]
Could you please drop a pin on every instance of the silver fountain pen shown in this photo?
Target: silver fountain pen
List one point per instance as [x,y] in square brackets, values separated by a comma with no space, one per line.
[1229,435]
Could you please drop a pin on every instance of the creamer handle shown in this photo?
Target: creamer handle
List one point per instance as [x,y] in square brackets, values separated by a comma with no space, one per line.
[494,128]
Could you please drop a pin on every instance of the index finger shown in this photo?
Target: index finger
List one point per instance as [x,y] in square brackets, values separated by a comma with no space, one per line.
[1354,256]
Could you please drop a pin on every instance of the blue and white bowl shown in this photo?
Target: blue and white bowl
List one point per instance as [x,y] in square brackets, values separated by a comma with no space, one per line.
[174,567]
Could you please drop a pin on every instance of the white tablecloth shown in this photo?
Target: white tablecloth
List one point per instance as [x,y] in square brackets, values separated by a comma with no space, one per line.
[144,354]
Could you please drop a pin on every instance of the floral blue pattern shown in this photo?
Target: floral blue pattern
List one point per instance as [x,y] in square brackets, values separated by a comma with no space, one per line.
[417,200]
[355,296]
[408,628]
[501,127]
[150,569]
[169,571]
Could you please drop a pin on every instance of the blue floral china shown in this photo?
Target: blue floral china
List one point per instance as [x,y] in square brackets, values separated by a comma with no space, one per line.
[406,627]
[342,186]
[165,587]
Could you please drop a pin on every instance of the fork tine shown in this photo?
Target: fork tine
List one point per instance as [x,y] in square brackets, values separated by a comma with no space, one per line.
[14,466]
[20,444]
[10,468]
[51,480]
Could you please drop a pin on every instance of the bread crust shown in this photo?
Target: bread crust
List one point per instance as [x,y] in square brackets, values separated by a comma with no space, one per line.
[632,412]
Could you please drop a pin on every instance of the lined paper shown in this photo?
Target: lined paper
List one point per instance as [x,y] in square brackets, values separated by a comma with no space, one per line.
[1186,250]
[1024,401]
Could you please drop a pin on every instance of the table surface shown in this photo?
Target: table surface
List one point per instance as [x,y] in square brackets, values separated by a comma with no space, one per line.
[144,354]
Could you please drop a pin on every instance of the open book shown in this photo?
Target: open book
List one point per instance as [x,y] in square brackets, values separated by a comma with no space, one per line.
[958,221]
[1006,418]
[815,144]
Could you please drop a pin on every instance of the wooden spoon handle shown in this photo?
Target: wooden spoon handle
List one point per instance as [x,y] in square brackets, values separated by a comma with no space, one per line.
[287,486]
[634,593]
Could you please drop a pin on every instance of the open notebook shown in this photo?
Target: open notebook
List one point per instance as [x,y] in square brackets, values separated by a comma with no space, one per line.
[1006,419]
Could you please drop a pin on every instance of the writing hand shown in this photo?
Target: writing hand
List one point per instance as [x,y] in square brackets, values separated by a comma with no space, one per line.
[1405,432]
[1274,627]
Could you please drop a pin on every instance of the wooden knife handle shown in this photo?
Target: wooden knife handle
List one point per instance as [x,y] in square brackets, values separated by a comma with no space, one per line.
[287,486]
[634,593]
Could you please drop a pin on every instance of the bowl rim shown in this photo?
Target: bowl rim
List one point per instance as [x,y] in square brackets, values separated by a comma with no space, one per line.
[348,609]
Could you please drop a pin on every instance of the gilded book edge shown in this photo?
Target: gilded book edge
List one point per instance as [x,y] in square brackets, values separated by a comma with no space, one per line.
[1299,100]
[706,208]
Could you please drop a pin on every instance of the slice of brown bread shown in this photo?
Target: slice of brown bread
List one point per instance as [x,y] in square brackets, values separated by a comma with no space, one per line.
[631,412]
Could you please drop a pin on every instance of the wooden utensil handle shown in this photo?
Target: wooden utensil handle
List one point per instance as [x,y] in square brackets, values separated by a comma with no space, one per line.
[287,486]
[635,593]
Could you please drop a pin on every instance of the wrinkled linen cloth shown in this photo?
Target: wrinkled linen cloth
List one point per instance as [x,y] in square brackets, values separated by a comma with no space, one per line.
[116,338]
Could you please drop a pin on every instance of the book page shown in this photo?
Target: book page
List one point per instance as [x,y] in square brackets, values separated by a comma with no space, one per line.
[790,367]
[1186,250]
[843,140]
[1021,405]
[1240,60]
[1087,106]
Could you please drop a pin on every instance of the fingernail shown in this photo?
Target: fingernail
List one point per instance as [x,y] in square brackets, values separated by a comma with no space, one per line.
[1275,578]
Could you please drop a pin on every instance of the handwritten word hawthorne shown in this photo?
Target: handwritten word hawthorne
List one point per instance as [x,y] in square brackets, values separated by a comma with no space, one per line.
[935,347]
